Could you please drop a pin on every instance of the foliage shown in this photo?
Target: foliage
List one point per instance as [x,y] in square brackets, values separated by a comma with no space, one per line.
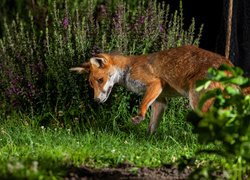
[227,123]
[36,52]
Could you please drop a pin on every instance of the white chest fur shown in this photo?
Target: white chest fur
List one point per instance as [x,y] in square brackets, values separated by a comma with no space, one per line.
[134,85]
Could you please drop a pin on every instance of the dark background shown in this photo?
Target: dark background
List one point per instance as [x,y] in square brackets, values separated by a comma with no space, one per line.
[213,14]
[207,12]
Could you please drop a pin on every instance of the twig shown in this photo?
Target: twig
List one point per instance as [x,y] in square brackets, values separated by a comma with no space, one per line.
[229,28]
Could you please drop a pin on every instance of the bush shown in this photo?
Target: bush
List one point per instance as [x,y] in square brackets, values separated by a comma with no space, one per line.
[226,124]
[36,52]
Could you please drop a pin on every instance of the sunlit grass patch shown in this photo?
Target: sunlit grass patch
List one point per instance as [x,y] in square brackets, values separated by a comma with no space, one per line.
[32,150]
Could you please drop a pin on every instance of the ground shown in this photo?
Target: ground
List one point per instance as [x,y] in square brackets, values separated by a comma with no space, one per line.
[126,171]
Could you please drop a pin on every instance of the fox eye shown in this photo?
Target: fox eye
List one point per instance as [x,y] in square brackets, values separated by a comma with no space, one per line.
[100,81]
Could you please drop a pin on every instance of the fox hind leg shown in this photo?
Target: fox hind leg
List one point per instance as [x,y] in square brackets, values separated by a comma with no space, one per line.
[194,97]
[157,111]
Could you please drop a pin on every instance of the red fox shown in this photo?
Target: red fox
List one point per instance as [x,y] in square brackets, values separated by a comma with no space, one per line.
[158,76]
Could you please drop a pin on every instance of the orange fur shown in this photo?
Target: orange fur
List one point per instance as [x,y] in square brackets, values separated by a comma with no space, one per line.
[167,73]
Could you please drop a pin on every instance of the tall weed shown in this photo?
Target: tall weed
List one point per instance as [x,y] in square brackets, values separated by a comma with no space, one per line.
[36,53]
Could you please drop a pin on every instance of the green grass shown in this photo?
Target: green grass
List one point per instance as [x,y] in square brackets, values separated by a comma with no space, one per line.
[29,150]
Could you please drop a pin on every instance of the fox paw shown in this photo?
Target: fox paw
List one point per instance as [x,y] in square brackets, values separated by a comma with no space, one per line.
[137,119]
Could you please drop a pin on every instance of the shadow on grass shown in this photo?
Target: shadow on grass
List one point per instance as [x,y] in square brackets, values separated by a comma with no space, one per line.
[51,168]
[46,168]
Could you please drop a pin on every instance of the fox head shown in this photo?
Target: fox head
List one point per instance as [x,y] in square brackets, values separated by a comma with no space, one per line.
[102,76]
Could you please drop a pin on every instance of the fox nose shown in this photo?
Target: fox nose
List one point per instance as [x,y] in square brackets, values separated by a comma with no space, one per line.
[97,100]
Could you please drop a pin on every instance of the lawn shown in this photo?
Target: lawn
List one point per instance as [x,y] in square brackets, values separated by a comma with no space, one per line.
[31,150]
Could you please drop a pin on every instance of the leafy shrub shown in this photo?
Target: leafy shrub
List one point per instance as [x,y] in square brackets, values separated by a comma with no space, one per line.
[227,123]
[36,52]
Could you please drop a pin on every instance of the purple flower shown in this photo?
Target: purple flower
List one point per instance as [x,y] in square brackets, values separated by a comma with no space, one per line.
[161,28]
[65,22]
[118,19]
[141,20]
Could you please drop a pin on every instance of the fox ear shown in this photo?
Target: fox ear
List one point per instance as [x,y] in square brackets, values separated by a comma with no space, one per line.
[83,69]
[99,62]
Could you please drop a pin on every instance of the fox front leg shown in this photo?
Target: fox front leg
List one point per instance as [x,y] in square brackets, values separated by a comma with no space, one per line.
[153,90]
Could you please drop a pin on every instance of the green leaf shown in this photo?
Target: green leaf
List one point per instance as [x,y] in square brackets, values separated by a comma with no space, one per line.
[202,84]
[232,90]
[220,75]
[225,67]
[207,84]
[208,95]
[211,71]
[239,80]
[238,71]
